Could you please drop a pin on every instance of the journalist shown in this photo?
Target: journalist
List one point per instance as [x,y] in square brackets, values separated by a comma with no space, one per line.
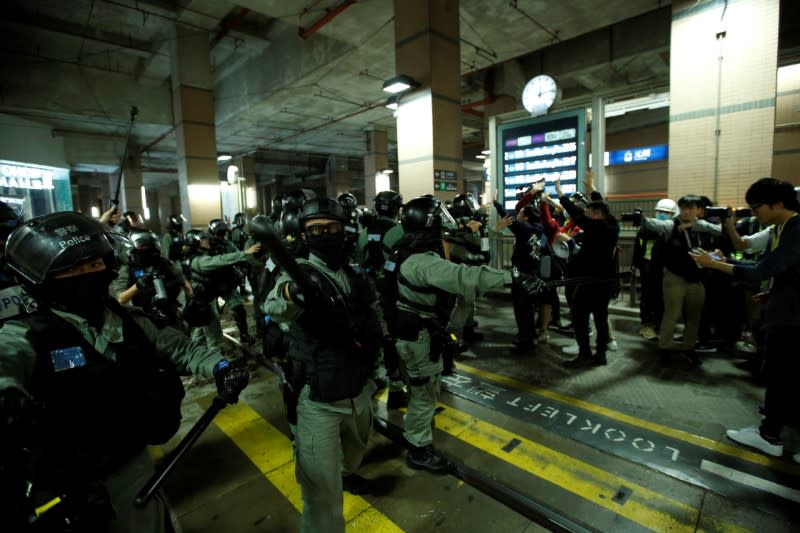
[773,202]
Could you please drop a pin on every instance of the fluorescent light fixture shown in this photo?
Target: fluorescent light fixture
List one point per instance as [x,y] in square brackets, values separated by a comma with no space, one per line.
[144,204]
[399,83]
[387,171]
[250,197]
[381,182]
[392,102]
[233,174]
[480,156]
[95,211]
[486,152]
[224,157]
[652,101]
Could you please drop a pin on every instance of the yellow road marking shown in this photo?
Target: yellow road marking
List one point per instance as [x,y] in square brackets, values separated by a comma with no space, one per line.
[721,447]
[271,452]
[643,506]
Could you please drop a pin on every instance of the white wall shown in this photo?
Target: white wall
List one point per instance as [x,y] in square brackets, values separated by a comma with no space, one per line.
[27,141]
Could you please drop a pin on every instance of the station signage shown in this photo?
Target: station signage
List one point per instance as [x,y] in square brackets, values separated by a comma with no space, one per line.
[643,154]
[26,177]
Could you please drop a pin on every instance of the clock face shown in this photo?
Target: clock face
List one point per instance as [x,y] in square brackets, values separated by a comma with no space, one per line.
[539,94]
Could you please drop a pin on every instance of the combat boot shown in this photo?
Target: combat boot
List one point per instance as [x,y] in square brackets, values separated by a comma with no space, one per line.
[427,458]
[397,399]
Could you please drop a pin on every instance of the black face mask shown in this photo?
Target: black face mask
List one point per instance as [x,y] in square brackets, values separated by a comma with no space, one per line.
[144,258]
[329,248]
[83,295]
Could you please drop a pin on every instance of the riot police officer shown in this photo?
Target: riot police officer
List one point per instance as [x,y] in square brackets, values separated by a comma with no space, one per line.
[211,278]
[231,277]
[349,203]
[335,338]
[277,209]
[150,282]
[131,220]
[11,296]
[172,240]
[85,385]
[425,283]
[239,231]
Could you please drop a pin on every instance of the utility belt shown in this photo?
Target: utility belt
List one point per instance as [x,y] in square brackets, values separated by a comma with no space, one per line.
[443,344]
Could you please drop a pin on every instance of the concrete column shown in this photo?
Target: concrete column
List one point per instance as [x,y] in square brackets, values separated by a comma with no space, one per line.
[84,200]
[131,193]
[249,191]
[193,112]
[154,224]
[338,179]
[598,143]
[427,39]
[723,63]
[376,160]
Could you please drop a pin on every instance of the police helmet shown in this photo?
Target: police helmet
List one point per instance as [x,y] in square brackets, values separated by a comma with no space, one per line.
[239,220]
[218,228]
[294,199]
[347,200]
[321,208]
[144,241]
[193,237]
[388,203]
[426,213]
[175,222]
[464,206]
[290,225]
[277,204]
[55,243]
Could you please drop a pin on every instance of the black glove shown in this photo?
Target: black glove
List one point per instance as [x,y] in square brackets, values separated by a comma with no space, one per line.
[144,282]
[391,359]
[230,380]
[308,297]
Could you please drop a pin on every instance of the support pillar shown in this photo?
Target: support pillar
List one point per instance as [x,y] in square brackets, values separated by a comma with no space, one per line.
[598,143]
[193,112]
[131,193]
[723,63]
[376,160]
[427,48]
[247,184]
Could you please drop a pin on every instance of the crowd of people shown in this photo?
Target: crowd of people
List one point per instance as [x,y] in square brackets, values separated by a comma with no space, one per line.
[347,301]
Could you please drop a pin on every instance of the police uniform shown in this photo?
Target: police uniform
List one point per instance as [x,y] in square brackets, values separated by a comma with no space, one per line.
[105,380]
[332,352]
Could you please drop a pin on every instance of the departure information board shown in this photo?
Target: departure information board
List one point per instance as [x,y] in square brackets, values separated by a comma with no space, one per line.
[546,147]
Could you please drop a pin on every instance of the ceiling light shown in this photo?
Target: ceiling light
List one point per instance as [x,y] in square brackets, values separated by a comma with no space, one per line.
[392,102]
[387,171]
[486,152]
[224,157]
[399,83]
[480,156]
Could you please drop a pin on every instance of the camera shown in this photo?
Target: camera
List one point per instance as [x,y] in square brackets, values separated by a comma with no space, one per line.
[522,191]
[634,217]
[727,212]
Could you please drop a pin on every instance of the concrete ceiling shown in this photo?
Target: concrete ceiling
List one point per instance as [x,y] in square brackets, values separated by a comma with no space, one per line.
[80,65]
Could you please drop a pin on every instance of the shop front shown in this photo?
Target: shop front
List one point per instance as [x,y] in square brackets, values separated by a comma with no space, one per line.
[34,190]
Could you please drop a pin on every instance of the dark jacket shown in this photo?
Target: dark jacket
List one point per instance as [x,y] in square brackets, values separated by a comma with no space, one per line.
[598,247]
[523,231]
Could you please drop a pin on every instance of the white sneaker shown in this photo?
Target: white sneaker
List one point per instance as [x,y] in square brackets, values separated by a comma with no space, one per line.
[612,346]
[745,347]
[752,437]
[572,349]
[543,338]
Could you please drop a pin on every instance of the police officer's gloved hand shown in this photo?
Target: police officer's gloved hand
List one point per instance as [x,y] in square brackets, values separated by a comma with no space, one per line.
[144,282]
[230,380]
[307,297]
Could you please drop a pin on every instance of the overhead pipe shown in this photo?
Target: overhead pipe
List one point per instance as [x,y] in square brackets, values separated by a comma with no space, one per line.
[488,86]
[332,14]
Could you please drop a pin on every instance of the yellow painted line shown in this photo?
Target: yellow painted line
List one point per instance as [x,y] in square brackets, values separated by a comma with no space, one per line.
[271,452]
[697,440]
[644,506]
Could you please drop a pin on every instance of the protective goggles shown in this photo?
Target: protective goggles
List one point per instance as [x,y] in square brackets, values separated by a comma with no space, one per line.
[331,228]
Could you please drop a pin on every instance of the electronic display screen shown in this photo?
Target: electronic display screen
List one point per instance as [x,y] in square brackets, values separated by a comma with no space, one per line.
[547,147]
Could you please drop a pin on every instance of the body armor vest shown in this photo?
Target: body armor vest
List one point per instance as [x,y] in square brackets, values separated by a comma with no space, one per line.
[334,348]
[97,413]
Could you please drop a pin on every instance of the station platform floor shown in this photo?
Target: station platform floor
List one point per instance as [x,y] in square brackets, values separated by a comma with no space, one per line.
[632,446]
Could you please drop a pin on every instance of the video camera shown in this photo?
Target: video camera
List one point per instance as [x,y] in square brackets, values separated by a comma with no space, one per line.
[727,212]
[634,217]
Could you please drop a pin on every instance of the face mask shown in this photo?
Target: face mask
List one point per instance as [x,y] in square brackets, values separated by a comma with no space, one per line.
[662,216]
[83,295]
[329,248]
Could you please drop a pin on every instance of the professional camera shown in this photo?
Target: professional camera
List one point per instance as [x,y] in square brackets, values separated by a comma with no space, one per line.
[522,191]
[727,212]
[634,217]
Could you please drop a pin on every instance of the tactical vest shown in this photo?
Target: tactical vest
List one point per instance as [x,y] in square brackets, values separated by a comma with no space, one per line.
[676,256]
[98,413]
[175,246]
[219,282]
[376,251]
[334,349]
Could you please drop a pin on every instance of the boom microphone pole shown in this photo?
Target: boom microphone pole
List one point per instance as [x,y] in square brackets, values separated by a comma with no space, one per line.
[115,200]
